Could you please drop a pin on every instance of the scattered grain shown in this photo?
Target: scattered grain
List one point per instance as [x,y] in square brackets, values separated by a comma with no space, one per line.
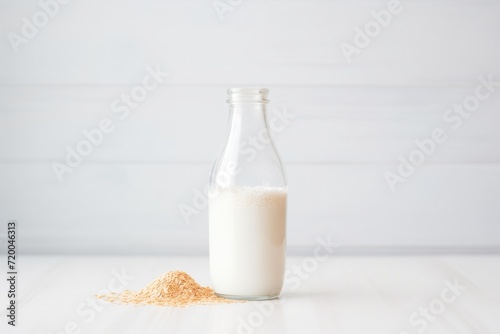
[175,288]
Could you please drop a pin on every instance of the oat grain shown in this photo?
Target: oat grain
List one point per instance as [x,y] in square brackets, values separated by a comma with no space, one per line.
[175,288]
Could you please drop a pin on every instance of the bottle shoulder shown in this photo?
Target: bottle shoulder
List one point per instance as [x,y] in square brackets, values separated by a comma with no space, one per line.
[248,166]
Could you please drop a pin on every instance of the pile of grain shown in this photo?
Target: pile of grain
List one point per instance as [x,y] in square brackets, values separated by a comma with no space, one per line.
[175,288]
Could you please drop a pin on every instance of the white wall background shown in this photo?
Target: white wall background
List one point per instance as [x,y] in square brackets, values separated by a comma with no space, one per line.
[352,121]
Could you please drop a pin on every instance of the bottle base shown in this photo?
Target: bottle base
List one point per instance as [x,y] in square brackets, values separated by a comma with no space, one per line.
[253,298]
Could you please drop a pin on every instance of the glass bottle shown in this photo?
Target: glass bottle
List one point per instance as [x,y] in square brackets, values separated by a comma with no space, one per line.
[247,204]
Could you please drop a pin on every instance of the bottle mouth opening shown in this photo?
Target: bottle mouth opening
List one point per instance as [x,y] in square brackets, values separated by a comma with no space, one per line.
[247,94]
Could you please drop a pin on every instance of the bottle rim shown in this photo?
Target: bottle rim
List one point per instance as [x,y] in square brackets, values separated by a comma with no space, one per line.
[247,94]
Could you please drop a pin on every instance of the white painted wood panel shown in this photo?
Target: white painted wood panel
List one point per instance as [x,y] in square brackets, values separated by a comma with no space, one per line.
[188,124]
[133,208]
[259,42]
[352,122]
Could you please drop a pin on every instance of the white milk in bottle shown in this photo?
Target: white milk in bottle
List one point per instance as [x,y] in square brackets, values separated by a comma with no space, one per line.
[248,241]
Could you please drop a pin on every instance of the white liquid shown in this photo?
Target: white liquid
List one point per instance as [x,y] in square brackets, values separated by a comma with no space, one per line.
[247,228]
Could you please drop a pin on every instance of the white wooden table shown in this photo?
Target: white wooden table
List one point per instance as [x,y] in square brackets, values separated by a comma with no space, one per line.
[343,294]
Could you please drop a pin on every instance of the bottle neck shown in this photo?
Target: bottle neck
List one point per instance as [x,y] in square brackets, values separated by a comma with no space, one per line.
[248,120]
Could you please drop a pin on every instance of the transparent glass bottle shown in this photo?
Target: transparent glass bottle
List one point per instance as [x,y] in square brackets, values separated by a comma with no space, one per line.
[247,204]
